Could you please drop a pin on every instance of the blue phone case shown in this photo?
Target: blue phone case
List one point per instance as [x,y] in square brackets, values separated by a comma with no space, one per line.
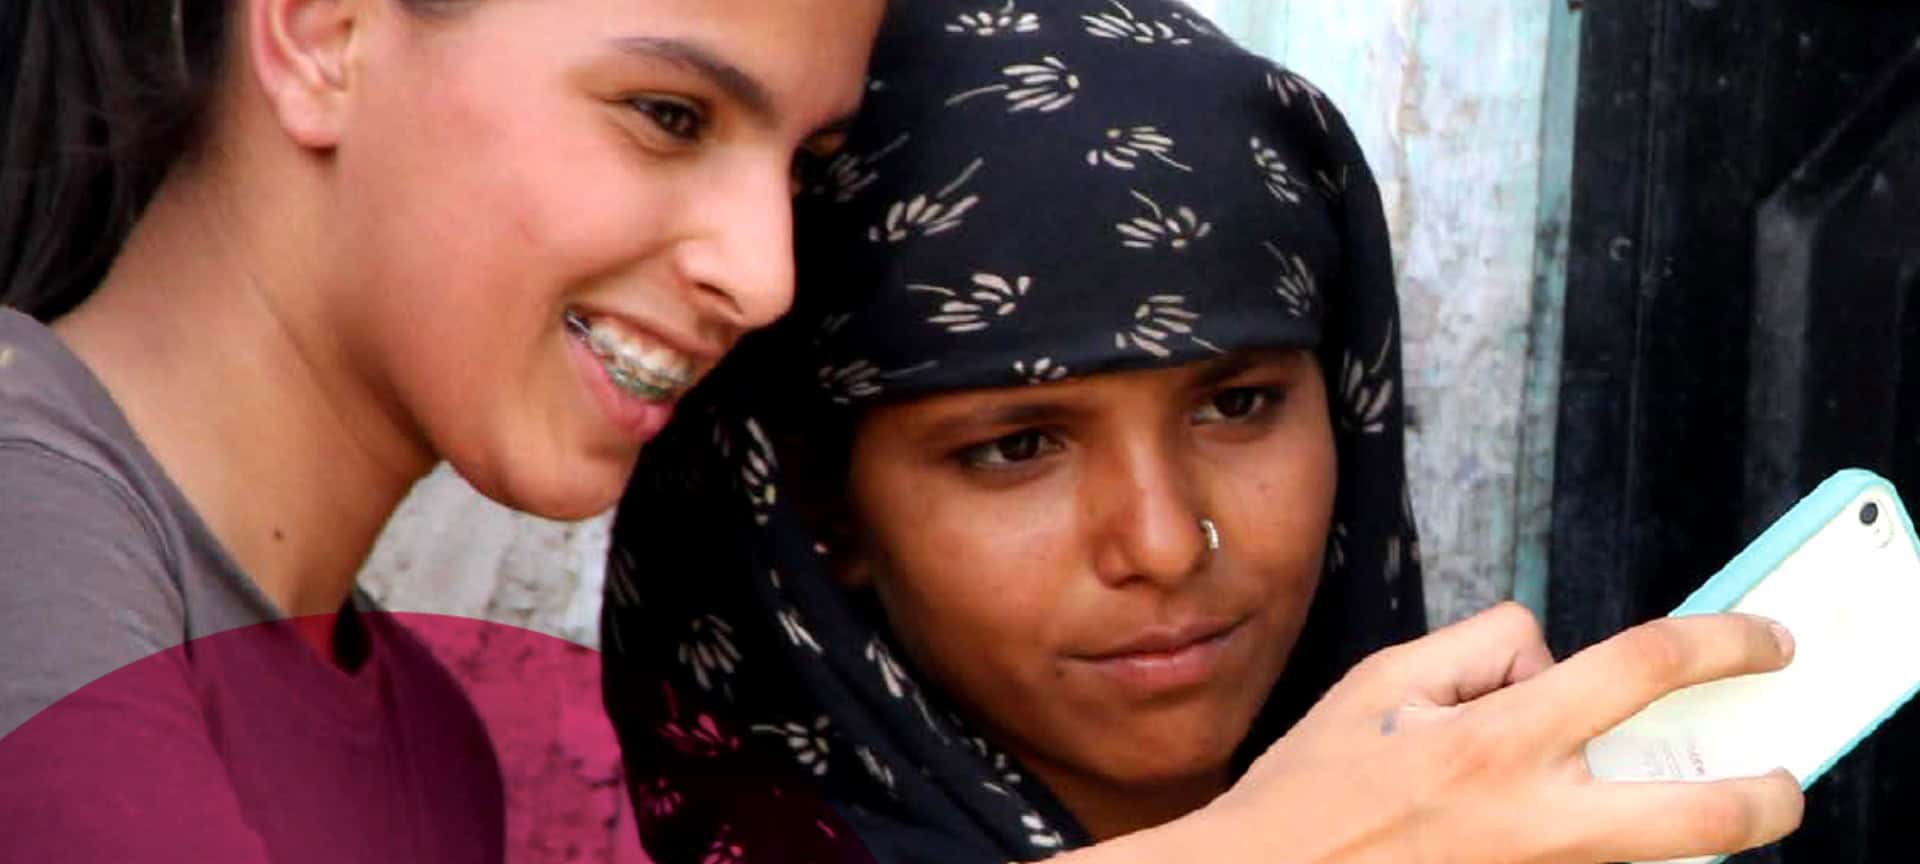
[1780,540]
[1775,545]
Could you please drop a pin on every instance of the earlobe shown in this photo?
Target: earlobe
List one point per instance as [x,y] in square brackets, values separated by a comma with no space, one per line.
[299,51]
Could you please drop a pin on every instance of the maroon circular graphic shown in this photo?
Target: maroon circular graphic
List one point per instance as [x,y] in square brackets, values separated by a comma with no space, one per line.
[430,739]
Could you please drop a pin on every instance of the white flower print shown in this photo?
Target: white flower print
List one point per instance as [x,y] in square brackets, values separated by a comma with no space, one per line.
[621,590]
[1337,548]
[1297,288]
[1041,371]
[862,380]
[658,799]
[710,651]
[1291,88]
[1365,394]
[1046,87]
[798,633]
[1123,24]
[1039,833]
[875,767]
[1333,184]
[1151,232]
[854,381]
[891,671]
[990,23]
[926,715]
[757,472]
[808,743]
[992,297]
[850,173]
[703,738]
[1198,25]
[1159,319]
[1125,147]
[724,850]
[1280,179]
[1001,765]
[930,216]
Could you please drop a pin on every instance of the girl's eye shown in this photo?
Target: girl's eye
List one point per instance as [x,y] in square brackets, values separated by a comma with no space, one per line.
[1009,450]
[673,117]
[1238,404]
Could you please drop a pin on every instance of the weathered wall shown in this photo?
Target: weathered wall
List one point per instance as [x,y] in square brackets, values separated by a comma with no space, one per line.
[1454,104]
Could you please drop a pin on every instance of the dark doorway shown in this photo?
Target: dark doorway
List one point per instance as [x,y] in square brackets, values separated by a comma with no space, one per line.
[1742,318]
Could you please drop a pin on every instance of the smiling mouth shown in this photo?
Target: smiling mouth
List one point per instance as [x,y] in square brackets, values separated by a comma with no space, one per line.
[633,362]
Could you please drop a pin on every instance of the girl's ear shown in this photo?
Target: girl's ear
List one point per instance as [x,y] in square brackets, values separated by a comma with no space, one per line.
[300,52]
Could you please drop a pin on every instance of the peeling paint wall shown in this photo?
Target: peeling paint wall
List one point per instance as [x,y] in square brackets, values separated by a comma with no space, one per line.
[1448,98]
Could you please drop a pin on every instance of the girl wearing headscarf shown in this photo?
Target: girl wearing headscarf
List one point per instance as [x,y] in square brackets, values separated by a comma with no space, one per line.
[1074,480]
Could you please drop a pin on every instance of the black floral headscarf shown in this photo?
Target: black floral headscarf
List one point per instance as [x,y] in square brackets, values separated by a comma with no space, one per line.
[1034,191]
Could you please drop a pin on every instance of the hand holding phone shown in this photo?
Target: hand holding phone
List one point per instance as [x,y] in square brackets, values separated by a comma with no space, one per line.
[1841,571]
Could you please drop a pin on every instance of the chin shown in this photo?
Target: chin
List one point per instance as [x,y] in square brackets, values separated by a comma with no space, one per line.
[561,493]
[1158,762]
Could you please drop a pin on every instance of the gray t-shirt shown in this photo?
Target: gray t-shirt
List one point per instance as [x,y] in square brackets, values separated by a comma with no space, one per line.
[102,560]
[152,704]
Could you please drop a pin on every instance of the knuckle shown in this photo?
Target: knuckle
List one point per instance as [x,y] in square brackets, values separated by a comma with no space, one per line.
[1516,616]
[1477,746]
[1658,650]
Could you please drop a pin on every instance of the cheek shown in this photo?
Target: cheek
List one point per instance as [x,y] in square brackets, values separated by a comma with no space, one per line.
[1282,498]
[972,584]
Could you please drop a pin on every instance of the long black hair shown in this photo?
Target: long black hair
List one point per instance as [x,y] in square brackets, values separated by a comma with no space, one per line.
[98,100]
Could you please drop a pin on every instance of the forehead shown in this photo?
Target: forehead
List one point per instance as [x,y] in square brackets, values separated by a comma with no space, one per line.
[1093,394]
[809,56]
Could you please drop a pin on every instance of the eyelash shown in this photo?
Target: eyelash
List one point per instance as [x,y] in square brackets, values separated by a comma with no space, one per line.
[990,455]
[980,456]
[1266,399]
[676,118]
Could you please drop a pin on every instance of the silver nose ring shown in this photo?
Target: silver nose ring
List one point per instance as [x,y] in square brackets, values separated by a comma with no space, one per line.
[1213,534]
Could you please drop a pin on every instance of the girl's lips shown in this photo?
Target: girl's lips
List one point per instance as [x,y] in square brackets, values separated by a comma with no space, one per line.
[1164,663]
[636,418]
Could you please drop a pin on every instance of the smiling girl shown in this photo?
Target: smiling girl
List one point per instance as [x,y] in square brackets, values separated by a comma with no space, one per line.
[268,261]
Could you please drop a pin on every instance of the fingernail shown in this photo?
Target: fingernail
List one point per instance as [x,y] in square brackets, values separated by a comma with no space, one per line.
[1781,635]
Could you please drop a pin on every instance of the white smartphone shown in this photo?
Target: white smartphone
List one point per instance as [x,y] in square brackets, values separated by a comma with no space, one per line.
[1842,571]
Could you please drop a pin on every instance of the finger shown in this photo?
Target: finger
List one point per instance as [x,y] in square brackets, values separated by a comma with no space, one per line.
[1657,821]
[1467,660]
[1594,690]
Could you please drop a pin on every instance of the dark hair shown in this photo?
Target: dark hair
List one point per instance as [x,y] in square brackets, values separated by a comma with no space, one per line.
[99,99]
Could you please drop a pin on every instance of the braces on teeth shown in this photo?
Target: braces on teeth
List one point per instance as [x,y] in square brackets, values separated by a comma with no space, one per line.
[626,372]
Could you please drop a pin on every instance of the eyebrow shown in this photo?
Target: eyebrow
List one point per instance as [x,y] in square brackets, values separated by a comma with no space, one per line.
[731,79]
[1001,416]
[1223,368]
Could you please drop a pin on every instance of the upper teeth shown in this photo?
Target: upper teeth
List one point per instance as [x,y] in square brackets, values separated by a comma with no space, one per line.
[637,363]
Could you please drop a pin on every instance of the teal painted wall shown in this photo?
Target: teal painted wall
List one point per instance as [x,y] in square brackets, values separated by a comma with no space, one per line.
[1465,109]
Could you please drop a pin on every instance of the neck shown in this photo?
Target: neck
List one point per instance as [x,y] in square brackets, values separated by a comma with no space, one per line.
[1107,809]
[210,334]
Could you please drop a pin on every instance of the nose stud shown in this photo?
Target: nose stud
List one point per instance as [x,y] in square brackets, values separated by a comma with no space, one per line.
[1213,534]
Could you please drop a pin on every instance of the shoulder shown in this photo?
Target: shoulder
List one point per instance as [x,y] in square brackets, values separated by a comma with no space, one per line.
[84,584]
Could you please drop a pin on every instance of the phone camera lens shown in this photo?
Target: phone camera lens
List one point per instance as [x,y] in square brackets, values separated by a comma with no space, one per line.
[1869,513]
